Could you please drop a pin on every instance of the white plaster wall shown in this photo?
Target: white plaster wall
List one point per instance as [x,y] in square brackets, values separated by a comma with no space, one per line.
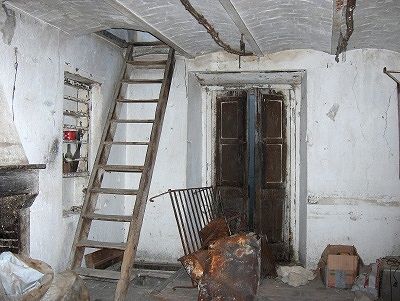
[352,161]
[42,53]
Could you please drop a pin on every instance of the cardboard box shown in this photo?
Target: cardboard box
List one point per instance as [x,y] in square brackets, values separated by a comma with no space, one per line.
[339,266]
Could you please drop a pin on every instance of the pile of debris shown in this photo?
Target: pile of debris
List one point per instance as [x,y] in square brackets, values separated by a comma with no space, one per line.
[215,268]
[223,260]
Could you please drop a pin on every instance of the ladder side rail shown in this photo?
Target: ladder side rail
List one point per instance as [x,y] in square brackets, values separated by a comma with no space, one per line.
[144,185]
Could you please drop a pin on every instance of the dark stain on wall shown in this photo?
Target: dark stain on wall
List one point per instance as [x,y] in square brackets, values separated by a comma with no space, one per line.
[7,27]
[54,150]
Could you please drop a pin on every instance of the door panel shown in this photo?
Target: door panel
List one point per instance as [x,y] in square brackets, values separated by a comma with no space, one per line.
[271,171]
[272,159]
[231,165]
[231,159]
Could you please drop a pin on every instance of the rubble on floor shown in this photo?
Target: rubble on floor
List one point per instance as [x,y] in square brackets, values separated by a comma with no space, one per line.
[295,275]
[365,285]
[67,286]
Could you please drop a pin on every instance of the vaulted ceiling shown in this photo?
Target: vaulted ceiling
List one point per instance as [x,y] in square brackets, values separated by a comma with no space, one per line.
[268,25]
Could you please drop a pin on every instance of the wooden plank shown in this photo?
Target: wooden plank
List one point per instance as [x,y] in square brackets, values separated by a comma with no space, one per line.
[142,81]
[152,43]
[110,218]
[125,100]
[125,143]
[101,244]
[117,191]
[144,186]
[102,274]
[133,120]
[148,63]
[102,259]
[121,168]
[113,39]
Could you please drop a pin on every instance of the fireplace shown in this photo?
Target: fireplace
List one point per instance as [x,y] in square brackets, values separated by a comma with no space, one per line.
[19,186]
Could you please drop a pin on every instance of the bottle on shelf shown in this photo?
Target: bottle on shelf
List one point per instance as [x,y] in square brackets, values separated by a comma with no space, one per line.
[68,157]
[77,154]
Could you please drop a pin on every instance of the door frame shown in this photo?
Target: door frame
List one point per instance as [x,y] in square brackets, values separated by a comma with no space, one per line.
[292,80]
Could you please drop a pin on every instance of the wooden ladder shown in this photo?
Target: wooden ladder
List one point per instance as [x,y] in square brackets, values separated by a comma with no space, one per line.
[81,241]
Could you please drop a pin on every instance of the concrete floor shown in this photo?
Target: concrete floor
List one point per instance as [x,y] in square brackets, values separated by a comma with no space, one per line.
[269,290]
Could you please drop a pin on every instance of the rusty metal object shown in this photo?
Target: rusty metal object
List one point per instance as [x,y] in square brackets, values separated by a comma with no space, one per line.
[211,30]
[195,264]
[216,229]
[344,39]
[233,269]
[193,208]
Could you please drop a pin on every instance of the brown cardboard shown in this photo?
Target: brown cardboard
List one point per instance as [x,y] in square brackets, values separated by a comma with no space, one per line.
[339,266]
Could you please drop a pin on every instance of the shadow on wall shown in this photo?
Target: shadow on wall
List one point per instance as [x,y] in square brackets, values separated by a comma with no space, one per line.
[7,24]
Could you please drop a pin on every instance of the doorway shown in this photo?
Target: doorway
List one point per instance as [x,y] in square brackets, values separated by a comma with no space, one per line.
[252,161]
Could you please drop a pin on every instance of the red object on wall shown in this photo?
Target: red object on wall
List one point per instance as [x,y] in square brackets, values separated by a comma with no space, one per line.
[70,135]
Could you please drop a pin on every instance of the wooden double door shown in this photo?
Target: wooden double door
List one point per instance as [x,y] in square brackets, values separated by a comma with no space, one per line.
[251,162]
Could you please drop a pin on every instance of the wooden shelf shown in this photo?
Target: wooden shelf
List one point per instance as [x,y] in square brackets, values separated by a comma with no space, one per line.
[76,114]
[75,141]
[68,127]
[76,174]
[75,99]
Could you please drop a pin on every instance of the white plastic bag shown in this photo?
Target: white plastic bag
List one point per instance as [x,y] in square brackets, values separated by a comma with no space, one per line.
[17,277]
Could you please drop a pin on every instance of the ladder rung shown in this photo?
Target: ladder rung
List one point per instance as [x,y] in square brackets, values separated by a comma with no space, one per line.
[125,143]
[124,100]
[121,168]
[133,120]
[150,64]
[110,218]
[153,43]
[118,191]
[103,274]
[142,81]
[101,244]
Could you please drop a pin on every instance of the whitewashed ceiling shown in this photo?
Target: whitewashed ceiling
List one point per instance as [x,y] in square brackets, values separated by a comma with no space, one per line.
[271,25]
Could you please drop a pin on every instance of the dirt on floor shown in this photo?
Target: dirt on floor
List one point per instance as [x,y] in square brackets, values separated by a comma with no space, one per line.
[269,290]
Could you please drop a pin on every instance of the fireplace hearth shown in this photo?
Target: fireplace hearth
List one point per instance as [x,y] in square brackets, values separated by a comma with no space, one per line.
[19,186]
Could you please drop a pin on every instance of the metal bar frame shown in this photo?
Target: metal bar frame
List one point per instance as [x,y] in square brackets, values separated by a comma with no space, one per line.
[193,209]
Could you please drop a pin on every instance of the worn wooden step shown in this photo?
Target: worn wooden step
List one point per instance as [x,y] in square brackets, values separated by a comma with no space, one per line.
[133,120]
[125,143]
[125,100]
[102,274]
[109,218]
[152,43]
[101,244]
[148,64]
[121,168]
[142,81]
[118,191]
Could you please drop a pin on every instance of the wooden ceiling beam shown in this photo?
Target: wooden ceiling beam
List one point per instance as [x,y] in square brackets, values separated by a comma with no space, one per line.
[237,19]
[112,38]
